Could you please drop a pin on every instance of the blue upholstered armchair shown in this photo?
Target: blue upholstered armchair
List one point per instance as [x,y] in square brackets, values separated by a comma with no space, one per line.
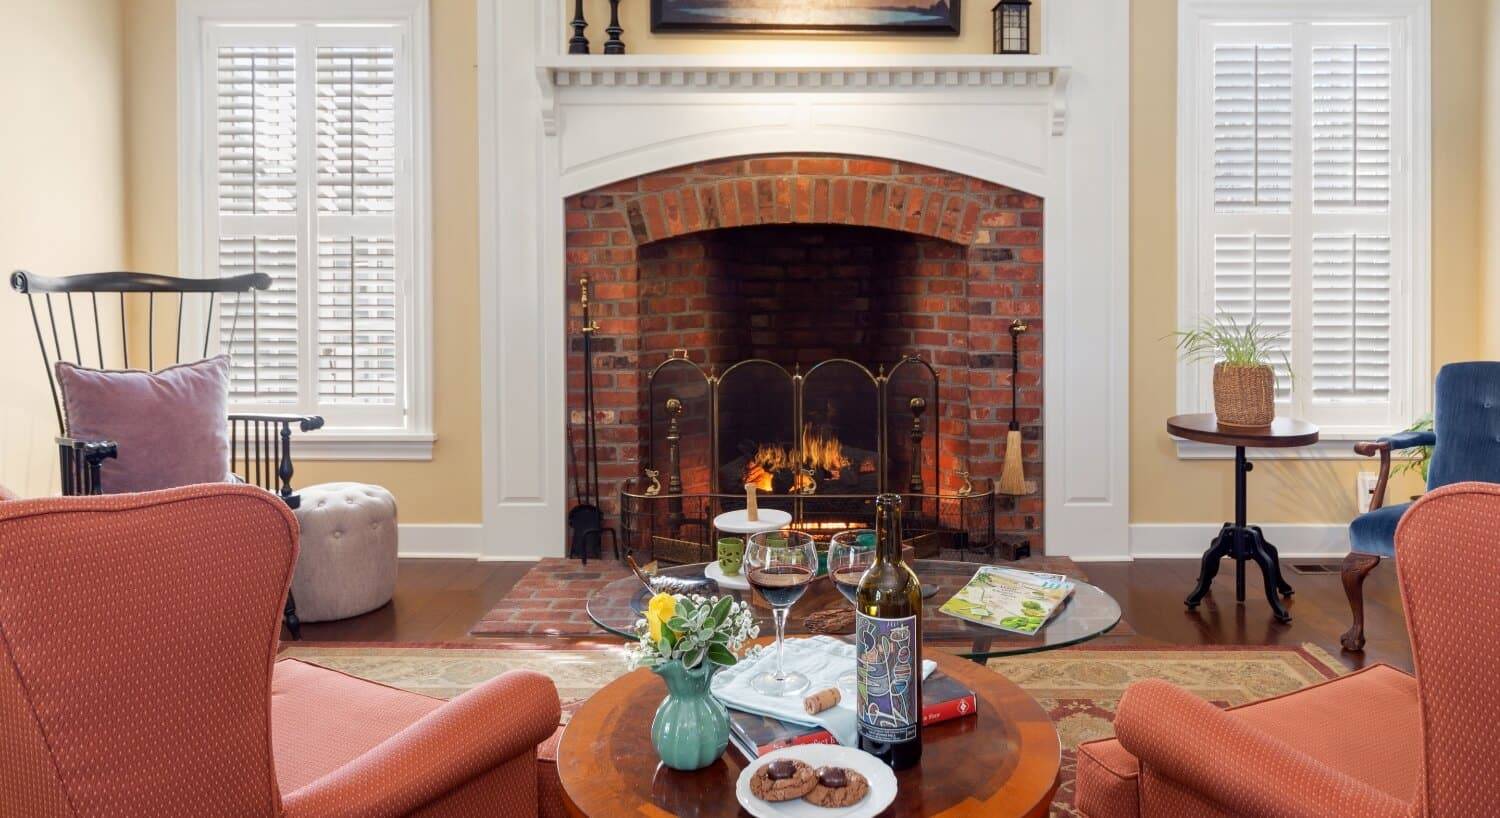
[1466,446]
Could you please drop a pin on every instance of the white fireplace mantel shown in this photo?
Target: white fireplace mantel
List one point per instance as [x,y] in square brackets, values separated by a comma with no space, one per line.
[1055,125]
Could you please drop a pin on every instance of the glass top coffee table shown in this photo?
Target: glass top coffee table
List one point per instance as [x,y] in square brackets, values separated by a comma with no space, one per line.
[1088,613]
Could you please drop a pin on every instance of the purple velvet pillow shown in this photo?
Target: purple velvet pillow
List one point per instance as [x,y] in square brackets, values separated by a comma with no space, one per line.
[172,426]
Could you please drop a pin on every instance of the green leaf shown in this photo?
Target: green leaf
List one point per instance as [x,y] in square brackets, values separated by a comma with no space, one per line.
[695,658]
[720,654]
[721,611]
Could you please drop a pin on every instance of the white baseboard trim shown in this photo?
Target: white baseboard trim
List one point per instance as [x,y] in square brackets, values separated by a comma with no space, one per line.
[454,541]
[1189,540]
[449,541]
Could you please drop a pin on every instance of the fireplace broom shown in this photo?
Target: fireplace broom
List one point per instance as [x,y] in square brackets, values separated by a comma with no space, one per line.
[1012,472]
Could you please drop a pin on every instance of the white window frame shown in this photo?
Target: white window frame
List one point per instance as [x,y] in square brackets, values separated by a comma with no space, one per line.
[197,211]
[1410,216]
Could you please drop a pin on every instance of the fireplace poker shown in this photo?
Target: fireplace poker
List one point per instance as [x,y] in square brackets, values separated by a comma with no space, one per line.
[586,519]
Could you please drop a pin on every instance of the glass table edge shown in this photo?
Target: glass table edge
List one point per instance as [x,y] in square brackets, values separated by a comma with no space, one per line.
[971,654]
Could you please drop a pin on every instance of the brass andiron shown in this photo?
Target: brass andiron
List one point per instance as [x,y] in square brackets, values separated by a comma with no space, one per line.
[809,482]
[674,464]
[918,407]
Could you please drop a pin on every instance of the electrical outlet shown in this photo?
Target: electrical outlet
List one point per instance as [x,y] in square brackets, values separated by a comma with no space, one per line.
[1364,489]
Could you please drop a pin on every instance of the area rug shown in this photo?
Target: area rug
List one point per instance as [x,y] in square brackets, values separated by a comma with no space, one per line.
[550,599]
[1079,687]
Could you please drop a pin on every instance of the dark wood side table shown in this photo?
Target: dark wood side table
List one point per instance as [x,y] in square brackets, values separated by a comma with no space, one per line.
[1238,539]
[1003,761]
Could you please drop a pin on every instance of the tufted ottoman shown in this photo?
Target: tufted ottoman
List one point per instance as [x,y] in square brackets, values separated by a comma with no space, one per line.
[347,564]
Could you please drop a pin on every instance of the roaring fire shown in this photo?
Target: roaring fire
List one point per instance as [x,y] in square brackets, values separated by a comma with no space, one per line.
[820,451]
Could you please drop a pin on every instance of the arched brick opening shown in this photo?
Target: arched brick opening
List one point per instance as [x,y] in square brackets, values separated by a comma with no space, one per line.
[966,258]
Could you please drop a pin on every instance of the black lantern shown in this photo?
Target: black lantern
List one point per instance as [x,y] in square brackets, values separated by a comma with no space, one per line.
[1013,27]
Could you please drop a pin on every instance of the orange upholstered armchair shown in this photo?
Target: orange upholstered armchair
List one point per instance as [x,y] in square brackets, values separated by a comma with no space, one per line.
[1373,744]
[109,706]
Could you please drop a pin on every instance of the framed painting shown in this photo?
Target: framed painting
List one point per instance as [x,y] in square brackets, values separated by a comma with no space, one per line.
[877,16]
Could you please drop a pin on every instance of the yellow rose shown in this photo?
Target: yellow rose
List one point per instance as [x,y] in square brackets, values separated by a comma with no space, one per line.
[658,611]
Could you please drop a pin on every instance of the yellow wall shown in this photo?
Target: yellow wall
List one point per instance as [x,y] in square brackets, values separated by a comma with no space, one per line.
[63,178]
[1490,209]
[446,489]
[1165,489]
[61,195]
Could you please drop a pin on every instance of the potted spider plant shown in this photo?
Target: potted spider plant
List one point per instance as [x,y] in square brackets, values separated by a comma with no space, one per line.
[1244,380]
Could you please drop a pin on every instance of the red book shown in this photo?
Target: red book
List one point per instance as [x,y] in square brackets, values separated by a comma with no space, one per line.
[943,699]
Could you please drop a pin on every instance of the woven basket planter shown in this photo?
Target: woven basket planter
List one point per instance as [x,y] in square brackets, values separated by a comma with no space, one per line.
[1244,395]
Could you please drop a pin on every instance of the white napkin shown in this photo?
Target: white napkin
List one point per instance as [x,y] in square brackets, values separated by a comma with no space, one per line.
[822,659]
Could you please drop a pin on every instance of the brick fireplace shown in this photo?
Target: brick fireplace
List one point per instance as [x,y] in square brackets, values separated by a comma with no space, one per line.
[800,258]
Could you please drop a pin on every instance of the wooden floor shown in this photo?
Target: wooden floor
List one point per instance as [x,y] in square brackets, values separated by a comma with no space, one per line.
[438,600]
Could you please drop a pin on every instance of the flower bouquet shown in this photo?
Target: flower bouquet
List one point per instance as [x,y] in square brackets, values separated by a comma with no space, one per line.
[684,639]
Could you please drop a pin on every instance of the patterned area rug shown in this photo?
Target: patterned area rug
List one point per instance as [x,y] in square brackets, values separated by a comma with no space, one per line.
[550,599]
[1079,687]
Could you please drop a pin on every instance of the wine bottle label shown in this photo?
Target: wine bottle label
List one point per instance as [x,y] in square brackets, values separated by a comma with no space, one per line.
[887,662]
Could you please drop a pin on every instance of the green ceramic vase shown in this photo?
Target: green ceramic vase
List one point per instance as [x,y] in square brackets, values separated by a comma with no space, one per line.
[691,728]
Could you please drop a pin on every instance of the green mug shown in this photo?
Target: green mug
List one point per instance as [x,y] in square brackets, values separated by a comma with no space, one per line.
[731,555]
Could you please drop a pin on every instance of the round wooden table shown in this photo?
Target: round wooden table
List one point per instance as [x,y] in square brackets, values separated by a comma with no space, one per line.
[1002,762]
[1238,539]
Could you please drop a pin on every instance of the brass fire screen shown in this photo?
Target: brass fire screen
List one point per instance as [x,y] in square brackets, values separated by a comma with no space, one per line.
[819,444]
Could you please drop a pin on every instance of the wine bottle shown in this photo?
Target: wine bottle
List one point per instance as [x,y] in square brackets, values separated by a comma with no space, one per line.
[888,640]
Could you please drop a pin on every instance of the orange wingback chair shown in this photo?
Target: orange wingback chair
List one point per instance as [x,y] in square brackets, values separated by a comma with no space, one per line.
[1376,743]
[109,706]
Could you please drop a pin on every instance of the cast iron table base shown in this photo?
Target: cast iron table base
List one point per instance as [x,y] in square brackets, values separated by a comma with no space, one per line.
[1243,542]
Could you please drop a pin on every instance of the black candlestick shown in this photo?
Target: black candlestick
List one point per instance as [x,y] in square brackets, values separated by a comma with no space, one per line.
[614,45]
[579,44]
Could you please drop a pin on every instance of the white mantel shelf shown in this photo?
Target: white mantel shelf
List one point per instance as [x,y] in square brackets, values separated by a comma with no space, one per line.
[808,72]
[761,71]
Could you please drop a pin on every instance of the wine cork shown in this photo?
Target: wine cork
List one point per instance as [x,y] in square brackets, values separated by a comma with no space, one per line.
[751,512]
[820,701]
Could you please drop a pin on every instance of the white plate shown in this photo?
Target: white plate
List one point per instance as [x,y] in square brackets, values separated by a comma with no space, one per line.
[735,522]
[737,582]
[882,783]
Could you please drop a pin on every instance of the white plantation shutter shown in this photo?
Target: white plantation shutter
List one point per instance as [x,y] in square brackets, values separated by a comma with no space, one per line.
[257,129]
[1351,304]
[1351,127]
[312,126]
[256,148]
[1252,125]
[259,331]
[1301,158]
[1253,285]
[358,330]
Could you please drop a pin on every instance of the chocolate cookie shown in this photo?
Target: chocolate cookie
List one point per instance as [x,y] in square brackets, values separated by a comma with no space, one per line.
[783,780]
[837,787]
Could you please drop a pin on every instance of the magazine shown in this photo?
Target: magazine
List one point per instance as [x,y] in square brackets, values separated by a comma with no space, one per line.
[754,735]
[1010,599]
